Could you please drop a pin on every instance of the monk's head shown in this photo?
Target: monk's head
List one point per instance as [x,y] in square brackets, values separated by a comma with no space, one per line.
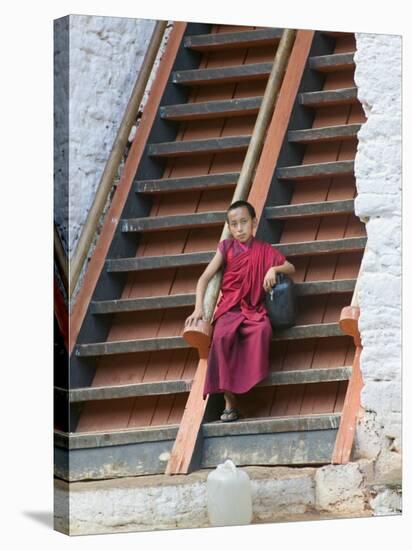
[241,219]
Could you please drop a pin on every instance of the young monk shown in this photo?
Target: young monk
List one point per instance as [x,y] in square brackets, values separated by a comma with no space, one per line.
[239,351]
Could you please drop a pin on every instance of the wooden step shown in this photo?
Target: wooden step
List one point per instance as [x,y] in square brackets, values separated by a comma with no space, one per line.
[130,346]
[219,75]
[295,423]
[293,440]
[178,221]
[162,387]
[309,209]
[319,170]
[143,304]
[337,286]
[333,62]
[330,246]
[84,440]
[191,183]
[114,453]
[342,132]
[303,332]
[226,40]
[212,109]
[173,149]
[297,332]
[307,376]
[308,288]
[306,248]
[327,98]
[301,376]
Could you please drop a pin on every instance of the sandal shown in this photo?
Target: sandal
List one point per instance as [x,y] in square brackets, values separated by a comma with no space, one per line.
[229,415]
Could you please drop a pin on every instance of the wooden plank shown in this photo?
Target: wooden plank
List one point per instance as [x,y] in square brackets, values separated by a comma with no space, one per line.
[351,406]
[172,149]
[241,39]
[316,171]
[179,221]
[302,448]
[189,436]
[158,262]
[349,244]
[250,71]
[300,332]
[307,376]
[242,106]
[325,287]
[143,304]
[85,440]
[122,391]
[295,423]
[108,462]
[331,246]
[177,342]
[96,263]
[328,133]
[130,346]
[333,62]
[327,98]
[301,210]
[184,300]
[190,183]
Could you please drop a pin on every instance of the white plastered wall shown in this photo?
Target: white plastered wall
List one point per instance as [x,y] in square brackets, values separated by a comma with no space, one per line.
[378,179]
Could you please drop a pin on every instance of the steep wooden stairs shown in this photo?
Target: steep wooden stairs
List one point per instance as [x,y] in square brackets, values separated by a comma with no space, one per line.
[131,372]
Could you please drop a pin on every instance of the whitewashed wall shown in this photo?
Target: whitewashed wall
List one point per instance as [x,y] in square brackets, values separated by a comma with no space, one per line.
[378,178]
[105,56]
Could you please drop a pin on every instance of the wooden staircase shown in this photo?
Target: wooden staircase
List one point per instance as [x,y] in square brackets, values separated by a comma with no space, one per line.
[131,371]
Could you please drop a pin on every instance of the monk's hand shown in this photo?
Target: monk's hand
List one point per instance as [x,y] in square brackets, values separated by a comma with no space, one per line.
[270,279]
[194,318]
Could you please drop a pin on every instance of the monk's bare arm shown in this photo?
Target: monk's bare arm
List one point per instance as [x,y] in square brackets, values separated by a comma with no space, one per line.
[214,265]
[270,278]
[287,268]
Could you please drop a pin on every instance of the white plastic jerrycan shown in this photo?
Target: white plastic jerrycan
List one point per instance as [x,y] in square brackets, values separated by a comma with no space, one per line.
[229,496]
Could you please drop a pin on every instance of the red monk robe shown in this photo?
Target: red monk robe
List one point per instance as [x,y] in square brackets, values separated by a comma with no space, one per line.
[239,350]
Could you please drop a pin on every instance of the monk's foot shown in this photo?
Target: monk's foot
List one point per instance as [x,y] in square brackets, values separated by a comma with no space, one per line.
[229,415]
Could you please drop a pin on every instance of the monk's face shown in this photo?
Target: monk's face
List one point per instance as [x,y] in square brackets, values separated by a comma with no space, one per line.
[241,223]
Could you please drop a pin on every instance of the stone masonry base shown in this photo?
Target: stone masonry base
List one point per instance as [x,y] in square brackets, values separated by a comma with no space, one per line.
[279,494]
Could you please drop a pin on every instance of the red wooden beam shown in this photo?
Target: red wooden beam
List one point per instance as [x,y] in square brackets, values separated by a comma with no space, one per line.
[351,406]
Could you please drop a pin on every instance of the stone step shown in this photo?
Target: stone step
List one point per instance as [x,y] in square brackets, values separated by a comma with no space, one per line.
[319,170]
[341,132]
[185,148]
[327,98]
[220,75]
[212,109]
[332,62]
[191,183]
[187,300]
[309,209]
[178,221]
[306,248]
[226,40]
[297,332]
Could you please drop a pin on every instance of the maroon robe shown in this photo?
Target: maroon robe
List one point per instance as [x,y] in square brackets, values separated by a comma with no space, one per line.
[239,350]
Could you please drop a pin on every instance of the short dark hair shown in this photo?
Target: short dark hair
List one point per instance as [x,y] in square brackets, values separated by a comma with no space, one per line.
[239,204]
